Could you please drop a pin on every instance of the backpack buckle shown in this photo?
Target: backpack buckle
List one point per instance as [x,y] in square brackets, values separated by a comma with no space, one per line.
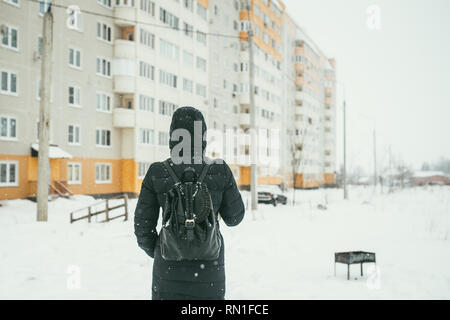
[189,223]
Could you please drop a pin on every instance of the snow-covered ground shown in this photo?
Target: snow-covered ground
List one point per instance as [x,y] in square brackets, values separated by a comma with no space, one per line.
[285,252]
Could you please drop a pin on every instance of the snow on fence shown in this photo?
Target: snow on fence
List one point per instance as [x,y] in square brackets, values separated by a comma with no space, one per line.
[104,206]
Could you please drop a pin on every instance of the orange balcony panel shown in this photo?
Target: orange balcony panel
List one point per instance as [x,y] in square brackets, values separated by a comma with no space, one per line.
[299,51]
[299,81]
[204,3]
[330,178]
[243,15]
[243,36]
[299,67]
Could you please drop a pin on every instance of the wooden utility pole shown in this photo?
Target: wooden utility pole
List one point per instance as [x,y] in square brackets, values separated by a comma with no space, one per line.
[344,173]
[374,159]
[44,118]
[253,129]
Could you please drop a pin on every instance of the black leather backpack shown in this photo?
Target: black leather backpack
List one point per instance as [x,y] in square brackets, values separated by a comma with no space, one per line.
[190,230]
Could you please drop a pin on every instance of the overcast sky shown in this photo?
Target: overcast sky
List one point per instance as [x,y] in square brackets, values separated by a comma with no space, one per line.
[397,77]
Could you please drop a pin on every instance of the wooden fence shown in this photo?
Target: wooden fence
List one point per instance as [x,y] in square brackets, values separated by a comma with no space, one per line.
[106,207]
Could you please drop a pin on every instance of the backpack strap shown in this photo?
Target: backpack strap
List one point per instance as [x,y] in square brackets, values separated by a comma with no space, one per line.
[171,172]
[204,172]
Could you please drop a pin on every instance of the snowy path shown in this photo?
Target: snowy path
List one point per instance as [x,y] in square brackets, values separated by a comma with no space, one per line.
[285,253]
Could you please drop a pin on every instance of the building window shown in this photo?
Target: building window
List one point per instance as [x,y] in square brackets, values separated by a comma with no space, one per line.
[202,11]
[74,173]
[8,83]
[201,37]
[189,4]
[75,21]
[265,37]
[8,128]
[245,26]
[146,136]
[163,138]
[146,103]
[188,58]
[103,173]
[103,67]
[147,38]
[167,78]
[9,174]
[143,168]
[13,2]
[103,102]
[75,58]
[148,6]
[105,3]
[188,30]
[146,70]
[124,3]
[43,6]
[103,138]
[166,108]
[40,46]
[104,32]
[169,50]
[74,96]
[167,18]
[200,90]
[73,136]
[10,37]
[201,64]
[188,85]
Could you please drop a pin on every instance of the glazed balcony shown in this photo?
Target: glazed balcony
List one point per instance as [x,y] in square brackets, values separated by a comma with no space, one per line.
[124,118]
[125,15]
[124,49]
[244,120]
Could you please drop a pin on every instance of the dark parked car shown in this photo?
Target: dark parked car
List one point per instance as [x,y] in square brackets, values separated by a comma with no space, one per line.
[271,194]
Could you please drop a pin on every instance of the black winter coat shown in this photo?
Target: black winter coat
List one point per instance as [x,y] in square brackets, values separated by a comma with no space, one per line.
[185,279]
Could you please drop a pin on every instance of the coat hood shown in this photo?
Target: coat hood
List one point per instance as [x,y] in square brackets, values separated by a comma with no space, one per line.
[192,120]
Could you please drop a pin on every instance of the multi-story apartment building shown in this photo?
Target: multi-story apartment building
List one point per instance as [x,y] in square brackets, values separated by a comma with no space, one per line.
[120,69]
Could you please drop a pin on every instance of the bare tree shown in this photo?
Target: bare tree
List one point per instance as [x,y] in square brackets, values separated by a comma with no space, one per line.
[403,173]
[297,148]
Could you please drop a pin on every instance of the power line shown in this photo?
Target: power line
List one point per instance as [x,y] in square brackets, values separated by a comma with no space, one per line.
[139,22]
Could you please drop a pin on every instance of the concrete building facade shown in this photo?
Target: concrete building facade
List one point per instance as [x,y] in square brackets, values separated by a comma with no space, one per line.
[121,68]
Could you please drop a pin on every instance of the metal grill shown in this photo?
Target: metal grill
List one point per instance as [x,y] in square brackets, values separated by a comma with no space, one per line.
[353,257]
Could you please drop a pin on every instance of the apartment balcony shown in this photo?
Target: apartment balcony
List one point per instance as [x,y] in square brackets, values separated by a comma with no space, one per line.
[244,120]
[125,16]
[124,49]
[328,92]
[124,84]
[124,118]
[299,81]
[244,139]
[299,50]
[244,98]
[300,124]
[299,68]
[299,110]
[299,97]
